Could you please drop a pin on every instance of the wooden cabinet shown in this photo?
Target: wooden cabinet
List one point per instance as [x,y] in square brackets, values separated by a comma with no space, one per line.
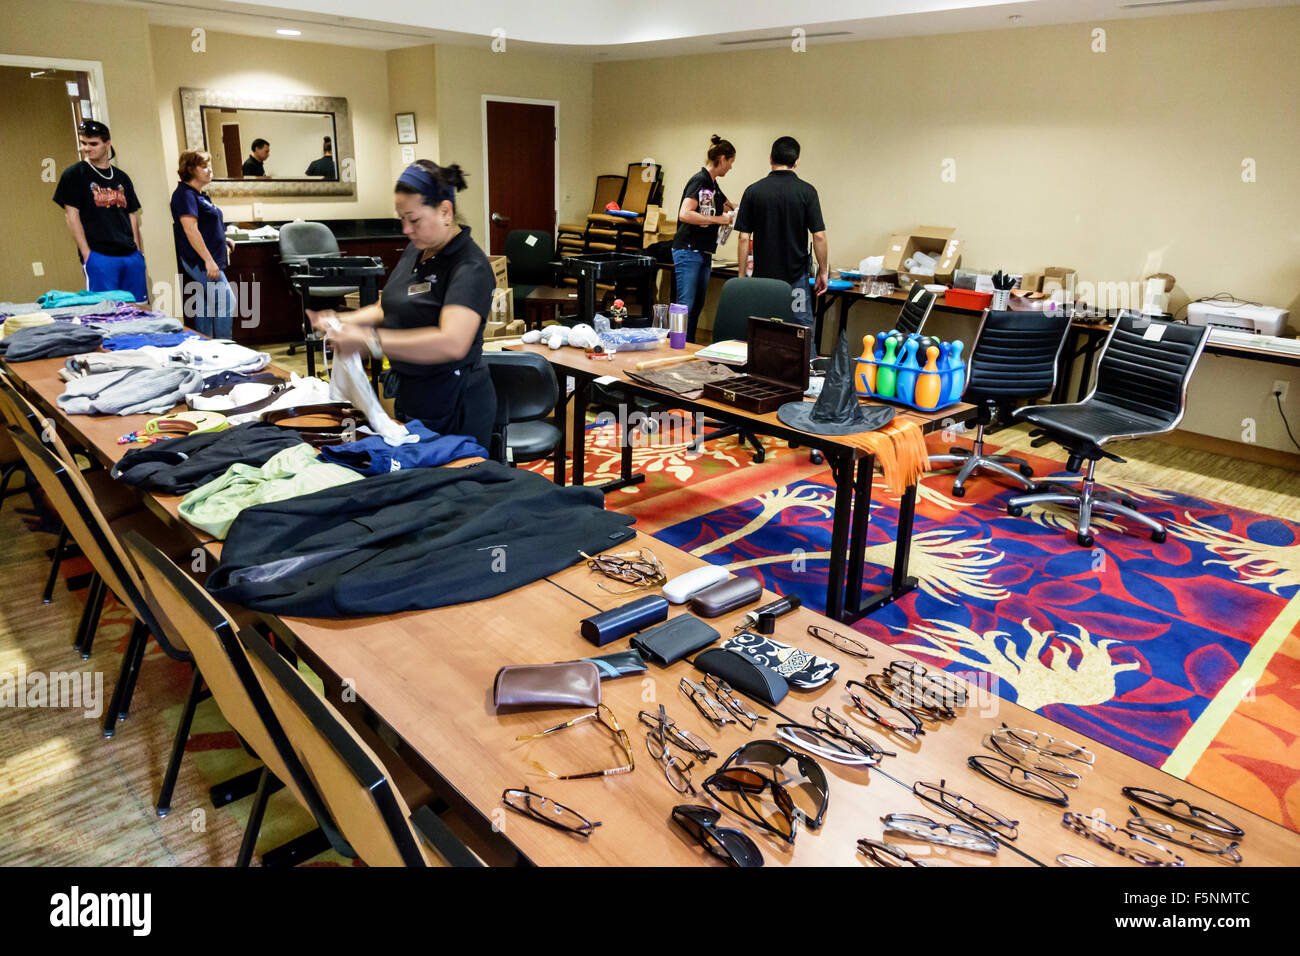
[269,307]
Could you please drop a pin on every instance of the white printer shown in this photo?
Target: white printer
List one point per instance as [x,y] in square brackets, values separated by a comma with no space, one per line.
[1218,313]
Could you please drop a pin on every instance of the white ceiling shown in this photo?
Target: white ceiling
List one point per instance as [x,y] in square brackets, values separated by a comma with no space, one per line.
[632,29]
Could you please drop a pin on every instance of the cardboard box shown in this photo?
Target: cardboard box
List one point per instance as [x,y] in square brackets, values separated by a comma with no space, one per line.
[1030,281]
[937,241]
[1058,278]
[503,305]
[499,270]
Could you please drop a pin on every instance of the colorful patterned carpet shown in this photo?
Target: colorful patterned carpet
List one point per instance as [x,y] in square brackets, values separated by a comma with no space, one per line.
[1185,655]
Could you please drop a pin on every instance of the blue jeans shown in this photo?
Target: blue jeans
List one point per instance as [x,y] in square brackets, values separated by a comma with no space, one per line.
[691,271]
[212,310]
[110,273]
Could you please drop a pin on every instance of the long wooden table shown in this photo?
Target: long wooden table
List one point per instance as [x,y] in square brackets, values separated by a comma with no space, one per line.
[852,467]
[425,680]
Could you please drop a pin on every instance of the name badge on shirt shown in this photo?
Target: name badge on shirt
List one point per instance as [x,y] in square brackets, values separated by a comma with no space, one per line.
[418,288]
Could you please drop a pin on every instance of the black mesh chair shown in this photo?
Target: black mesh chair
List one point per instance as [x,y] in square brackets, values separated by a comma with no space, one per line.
[1013,360]
[528,262]
[526,393]
[915,310]
[300,241]
[1141,389]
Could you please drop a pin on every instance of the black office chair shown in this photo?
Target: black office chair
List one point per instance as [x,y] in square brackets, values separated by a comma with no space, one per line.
[915,310]
[300,241]
[1013,360]
[741,298]
[526,393]
[1141,389]
[528,264]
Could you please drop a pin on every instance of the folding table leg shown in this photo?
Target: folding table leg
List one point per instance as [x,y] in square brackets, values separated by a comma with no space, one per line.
[842,469]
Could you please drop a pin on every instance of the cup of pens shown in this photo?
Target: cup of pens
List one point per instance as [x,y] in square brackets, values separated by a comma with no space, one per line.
[1002,285]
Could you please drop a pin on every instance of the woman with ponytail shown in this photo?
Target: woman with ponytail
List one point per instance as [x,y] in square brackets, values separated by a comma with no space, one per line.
[703,210]
[430,318]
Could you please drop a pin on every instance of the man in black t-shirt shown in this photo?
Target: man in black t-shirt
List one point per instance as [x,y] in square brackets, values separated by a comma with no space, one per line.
[254,165]
[99,206]
[782,210]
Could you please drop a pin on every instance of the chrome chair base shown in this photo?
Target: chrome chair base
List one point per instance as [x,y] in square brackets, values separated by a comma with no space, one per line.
[975,459]
[1086,499]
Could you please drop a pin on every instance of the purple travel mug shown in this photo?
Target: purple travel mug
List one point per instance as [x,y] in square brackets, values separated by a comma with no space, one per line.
[677,326]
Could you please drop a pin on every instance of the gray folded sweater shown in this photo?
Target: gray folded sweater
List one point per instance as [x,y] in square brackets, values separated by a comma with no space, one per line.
[132,391]
[47,341]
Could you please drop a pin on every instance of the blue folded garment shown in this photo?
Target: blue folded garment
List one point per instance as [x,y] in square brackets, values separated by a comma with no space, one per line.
[55,299]
[374,456]
[164,340]
[836,284]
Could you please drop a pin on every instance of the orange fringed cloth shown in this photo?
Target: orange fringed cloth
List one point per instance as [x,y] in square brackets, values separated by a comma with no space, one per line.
[900,452]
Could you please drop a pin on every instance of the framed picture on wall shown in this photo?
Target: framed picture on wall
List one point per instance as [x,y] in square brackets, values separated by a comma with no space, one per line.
[406,128]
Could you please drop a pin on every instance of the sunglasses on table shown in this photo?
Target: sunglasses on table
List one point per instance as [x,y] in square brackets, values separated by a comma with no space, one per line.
[887,854]
[1192,816]
[909,727]
[605,718]
[725,843]
[739,775]
[944,834]
[1126,843]
[546,811]
[1027,783]
[1176,835]
[666,728]
[975,814]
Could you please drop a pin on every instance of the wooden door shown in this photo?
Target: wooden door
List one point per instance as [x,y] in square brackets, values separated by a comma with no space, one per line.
[234,152]
[521,169]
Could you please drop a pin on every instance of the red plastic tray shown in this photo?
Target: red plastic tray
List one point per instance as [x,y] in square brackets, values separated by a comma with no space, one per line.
[966,299]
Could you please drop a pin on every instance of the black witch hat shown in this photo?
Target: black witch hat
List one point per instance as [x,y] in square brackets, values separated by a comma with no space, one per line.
[836,411]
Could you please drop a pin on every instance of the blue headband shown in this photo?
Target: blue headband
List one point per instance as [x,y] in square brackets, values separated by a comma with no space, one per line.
[434,192]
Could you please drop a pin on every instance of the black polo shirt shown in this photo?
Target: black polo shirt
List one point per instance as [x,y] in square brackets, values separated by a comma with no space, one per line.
[779,211]
[413,297]
[254,167]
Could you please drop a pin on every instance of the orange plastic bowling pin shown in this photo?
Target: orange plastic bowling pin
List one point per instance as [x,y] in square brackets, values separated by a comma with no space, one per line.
[928,385]
[868,363]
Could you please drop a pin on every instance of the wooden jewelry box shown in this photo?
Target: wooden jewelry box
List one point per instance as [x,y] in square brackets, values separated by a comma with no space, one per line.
[777,368]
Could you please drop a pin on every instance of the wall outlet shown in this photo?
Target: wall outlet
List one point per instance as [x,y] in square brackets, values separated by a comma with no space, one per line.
[38,268]
[257,211]
[1280,386]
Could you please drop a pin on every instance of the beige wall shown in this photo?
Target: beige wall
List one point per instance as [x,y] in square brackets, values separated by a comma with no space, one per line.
[35,127]
[465,74]
[413,88]
[117,37]
[251,64]
[1115,163]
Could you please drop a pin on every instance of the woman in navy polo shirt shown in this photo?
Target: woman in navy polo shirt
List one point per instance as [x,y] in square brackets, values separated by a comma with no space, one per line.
[201,244]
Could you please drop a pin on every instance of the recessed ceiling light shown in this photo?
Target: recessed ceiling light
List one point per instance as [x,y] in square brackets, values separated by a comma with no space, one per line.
[289,33]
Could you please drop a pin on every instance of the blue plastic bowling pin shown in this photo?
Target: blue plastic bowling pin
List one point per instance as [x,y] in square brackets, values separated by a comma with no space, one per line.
[880,345]
[943,357]
[907,372]
[958,372]
[887,374]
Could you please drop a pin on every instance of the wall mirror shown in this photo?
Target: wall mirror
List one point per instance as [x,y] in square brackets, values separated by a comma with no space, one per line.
[305,142]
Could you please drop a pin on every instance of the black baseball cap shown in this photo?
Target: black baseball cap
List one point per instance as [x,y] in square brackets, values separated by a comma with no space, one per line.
[94,129]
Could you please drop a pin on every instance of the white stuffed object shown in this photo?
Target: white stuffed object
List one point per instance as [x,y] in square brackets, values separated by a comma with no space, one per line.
[555,336]
[583,336]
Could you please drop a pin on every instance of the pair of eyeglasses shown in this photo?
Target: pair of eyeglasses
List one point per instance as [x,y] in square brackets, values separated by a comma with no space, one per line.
[739,776]
[945,834]
[905,696]
[1015,777]
[545,810]
[1044,743]
[834,740]
[641,569]
[934,684]
[726,843]
[605,717]
[1180,837]
[722,692]
[1043,763]
[1126,843]
[910,725]
[1193,816]
[977,815]
[714,711]
[887,854]
[666,728]
[841,642]
[1069,859]
[677,770]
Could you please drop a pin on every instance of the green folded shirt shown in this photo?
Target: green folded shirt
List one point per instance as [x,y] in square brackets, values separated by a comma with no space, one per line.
[287,474]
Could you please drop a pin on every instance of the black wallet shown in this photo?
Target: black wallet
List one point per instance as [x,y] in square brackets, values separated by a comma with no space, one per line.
[673,640]
[619,664]
[743,674]
[609,626]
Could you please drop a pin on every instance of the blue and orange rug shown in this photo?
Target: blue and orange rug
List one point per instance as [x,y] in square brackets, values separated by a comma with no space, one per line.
[1185,655]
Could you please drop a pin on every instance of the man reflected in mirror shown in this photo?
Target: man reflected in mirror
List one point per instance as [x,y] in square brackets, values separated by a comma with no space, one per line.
[254,165]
